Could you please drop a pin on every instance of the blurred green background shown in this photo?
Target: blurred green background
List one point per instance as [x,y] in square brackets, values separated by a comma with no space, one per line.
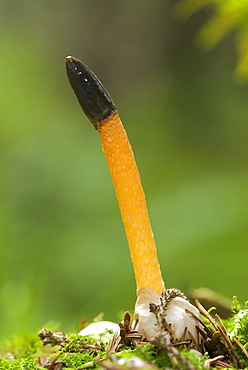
[63,251]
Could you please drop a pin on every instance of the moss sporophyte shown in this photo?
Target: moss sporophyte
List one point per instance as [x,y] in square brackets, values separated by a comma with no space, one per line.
[167,332]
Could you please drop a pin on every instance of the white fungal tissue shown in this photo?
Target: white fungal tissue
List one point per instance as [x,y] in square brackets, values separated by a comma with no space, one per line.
[101,330]
[171,320]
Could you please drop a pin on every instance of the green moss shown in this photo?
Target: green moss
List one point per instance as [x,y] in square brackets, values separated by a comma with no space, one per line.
[147,353]
[22,346]
[21,353]
[158,358]
[77,360]
[194,359]
[78,351]
[19,364]
[74,343]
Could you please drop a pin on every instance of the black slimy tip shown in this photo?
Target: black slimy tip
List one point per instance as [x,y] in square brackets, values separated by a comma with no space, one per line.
[92,96]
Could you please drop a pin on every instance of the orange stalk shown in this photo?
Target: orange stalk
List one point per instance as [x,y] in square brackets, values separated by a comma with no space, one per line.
[132,203]
[100,109]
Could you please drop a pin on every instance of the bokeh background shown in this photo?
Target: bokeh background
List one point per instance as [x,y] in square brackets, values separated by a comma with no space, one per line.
[63,252]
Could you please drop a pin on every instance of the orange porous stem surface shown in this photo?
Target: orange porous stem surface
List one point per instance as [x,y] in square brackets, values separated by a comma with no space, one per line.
[132,203]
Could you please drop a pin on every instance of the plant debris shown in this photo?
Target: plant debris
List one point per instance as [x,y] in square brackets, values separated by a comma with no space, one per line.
[221,344]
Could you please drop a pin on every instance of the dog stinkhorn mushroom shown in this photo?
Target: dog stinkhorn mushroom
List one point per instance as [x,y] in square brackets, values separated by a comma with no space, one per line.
[101,111]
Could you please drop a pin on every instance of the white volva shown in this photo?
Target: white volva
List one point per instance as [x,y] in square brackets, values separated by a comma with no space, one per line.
[179,320]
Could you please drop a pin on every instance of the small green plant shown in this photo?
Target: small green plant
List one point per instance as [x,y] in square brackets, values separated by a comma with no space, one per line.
[159,358]
[240,323]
